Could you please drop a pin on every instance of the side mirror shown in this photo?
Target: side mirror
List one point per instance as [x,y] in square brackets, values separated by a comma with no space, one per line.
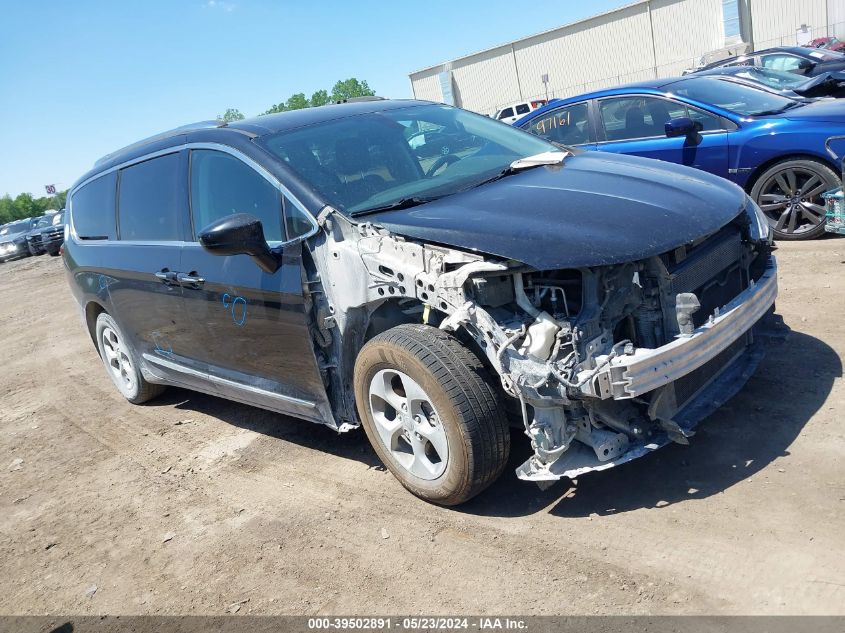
[682,126]
[239,234]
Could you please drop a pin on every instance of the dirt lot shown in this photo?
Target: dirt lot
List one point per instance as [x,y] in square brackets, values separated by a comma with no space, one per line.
[193,504]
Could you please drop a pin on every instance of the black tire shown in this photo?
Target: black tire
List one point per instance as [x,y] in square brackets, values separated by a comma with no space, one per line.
[126,376]
[782,193]
[53,253]
[466,402]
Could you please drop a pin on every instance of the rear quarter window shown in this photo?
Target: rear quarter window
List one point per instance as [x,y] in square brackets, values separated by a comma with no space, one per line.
[92,206]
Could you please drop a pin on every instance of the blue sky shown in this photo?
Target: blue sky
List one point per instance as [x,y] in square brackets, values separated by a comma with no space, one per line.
[79,79]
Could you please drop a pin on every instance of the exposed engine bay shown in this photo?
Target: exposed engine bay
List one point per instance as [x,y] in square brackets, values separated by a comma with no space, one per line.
[603,363]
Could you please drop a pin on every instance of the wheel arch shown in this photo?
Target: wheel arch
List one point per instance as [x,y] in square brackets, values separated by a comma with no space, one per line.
[366,323]
[93,310]
[760,169]
[389,314]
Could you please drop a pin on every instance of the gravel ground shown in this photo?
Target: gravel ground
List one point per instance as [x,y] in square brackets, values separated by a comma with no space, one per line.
[195,505]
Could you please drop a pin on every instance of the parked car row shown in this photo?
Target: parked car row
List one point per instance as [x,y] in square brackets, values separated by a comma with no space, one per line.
[829,43]
[785,83]
[771,145]
[796,59]
[32,236]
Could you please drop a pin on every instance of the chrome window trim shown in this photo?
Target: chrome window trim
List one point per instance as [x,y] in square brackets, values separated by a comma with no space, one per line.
[651,138]
[173,149]
[600,121]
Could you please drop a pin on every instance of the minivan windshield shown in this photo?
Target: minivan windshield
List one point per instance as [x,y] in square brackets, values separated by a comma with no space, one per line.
[418,153]
[743,100]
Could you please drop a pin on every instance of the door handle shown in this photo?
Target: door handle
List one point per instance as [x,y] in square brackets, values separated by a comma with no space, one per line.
[167,276]
[189,279]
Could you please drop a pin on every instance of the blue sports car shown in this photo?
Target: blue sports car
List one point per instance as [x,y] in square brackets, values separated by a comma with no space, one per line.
[771,145]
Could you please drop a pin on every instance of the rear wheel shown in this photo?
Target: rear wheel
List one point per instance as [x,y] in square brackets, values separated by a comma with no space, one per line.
[432,413]
[121,362]
[789,193]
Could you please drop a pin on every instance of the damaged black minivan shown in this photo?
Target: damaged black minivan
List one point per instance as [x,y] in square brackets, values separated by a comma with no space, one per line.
[429,274]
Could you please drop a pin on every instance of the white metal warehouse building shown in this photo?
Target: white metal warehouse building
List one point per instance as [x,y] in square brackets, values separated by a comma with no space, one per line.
[643,40]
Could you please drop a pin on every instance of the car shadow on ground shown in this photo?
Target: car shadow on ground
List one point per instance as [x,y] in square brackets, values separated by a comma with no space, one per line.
[748,433]
[350,445]
[745,435]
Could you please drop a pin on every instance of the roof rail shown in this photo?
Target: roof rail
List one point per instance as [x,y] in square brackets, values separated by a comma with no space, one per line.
[359,99]
[200,125]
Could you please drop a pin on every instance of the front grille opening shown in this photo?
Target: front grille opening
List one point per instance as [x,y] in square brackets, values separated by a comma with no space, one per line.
[713,270]
[718,292]
[687,387]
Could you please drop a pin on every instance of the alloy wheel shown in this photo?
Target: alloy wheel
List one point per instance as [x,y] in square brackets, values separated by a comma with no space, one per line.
[117,360]
[791,199]
[408,425]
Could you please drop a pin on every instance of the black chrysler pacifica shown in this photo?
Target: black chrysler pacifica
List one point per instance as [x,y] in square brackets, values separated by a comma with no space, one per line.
[347,266]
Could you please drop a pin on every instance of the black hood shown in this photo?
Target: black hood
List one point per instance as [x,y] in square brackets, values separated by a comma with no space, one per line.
[824,85]
[597,209]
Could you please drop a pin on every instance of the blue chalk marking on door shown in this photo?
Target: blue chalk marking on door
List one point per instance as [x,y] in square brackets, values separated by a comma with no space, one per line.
[163,347]
[231,303]
[235,302]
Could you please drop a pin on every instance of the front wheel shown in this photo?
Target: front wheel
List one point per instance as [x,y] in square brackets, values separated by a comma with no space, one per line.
[432,413]
[789,193]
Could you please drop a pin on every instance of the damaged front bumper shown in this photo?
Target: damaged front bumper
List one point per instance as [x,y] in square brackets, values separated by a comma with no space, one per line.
[647,369]
[684,381]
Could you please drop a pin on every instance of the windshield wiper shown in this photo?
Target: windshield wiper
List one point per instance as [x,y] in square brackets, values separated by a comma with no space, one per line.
[403,203]
[521,164]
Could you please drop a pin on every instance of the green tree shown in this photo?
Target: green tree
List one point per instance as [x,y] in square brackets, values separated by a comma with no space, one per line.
[279,107]
[349,88]
[344,89]
[27,206]
[24,206]
[232,114]
[7,208]
[297,102]
[320,98]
